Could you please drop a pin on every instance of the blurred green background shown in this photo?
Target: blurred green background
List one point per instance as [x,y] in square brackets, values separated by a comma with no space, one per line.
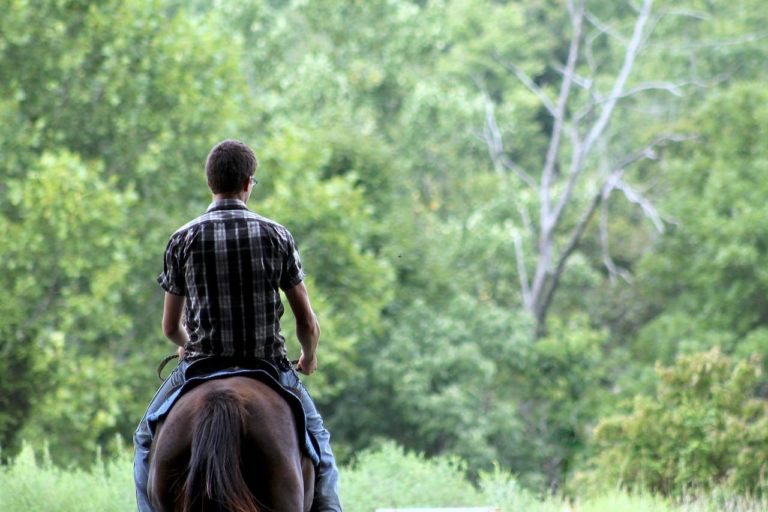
[535,231]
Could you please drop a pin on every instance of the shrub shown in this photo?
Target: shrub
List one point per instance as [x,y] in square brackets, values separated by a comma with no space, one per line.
[705,427]
[28,485]
[392,478]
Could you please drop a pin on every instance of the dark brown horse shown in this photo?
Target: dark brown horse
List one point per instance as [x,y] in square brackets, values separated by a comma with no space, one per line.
[230,445]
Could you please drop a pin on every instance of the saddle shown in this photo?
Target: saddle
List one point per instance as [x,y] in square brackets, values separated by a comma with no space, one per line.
[210,368]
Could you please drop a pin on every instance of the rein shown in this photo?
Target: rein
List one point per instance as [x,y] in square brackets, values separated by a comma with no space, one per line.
[162,364]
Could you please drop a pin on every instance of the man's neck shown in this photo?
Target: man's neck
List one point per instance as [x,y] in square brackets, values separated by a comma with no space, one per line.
[241,196]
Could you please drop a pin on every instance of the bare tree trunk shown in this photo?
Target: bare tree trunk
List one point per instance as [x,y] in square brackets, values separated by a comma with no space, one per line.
[575,131]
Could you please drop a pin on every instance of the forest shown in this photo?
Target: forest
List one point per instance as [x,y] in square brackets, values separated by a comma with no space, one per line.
[532,229]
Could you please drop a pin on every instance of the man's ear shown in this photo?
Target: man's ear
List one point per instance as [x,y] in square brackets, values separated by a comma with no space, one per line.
[246,184]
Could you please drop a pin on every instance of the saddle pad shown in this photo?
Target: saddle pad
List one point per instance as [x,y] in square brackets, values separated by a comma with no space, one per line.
[309,445]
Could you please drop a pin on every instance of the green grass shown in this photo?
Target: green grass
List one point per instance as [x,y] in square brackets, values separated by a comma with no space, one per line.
[30,485]
[388,478]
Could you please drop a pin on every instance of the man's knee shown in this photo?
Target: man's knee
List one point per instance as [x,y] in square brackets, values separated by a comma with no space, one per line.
[142,437]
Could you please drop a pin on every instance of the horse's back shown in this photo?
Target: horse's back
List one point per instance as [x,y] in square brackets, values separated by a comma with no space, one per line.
[266,414]
[238,427]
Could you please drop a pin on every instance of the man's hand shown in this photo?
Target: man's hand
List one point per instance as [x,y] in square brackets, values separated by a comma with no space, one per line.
[307,365]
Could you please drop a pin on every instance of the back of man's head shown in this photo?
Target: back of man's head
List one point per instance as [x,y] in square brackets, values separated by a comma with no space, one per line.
[230,163]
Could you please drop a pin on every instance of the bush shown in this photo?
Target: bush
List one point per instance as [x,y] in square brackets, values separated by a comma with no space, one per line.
[27,485]
[391,478]
[704,428]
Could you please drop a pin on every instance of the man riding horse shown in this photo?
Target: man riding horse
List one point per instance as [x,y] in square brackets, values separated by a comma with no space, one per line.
[222,276]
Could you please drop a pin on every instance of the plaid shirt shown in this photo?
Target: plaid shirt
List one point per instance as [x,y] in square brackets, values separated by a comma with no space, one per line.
[229,264]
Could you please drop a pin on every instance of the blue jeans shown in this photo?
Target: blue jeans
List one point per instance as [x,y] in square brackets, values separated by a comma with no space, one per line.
[327,477]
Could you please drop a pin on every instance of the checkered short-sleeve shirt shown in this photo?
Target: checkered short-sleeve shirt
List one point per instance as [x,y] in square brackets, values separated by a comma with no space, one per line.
[230,263]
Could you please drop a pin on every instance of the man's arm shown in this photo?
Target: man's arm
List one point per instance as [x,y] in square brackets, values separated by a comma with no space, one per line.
[173,307]
[307,327]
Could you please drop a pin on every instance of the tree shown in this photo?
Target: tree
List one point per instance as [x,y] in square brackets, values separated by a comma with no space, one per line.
[704,284]
[336,231]
[435,383]
[80,198]
[62,269]
[574,175]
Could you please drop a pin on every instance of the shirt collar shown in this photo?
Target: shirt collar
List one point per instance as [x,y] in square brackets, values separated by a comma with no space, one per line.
[227,204]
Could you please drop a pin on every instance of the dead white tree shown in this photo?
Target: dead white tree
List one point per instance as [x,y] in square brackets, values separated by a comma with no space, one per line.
[577,127]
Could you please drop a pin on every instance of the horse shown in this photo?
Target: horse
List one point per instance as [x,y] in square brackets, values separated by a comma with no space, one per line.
[230,445]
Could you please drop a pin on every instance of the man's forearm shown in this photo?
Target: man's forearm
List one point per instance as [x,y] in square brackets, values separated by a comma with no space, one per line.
[307,328]
[173,306]
[309,336]
[178,337]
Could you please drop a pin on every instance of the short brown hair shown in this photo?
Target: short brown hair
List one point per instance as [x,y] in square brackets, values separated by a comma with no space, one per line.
[228,165]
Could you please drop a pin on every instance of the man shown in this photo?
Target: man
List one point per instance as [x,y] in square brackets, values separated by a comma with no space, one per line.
[221,275]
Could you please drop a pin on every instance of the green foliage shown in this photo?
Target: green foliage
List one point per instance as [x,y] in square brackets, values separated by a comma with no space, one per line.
[60,270]
[82,414]
[27,484]
[336,232]
[704,427]
[391,478]
[150,79]
[368,119]
[560,384]
[707,279]
[105,101]
[438,379]
[385,478]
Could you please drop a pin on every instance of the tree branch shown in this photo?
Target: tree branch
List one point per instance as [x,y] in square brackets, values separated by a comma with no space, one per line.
[604,28]
[645,205]
[547,223]
[747,38]
[495,144]
[525,288]
[618,86]
[529,83]
[580,153]
[583,82]
[492,135]
[577,16]
[612,181]
[649,152]
[574,239]
[613,269]
[547,220]
[672,88]
[687,13]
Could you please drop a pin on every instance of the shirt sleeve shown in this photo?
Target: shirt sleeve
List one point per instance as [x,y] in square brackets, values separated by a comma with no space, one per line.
[292,272]
[171,279]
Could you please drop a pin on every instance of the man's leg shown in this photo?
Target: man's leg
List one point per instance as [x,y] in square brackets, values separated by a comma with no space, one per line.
[142,438]
[327,479]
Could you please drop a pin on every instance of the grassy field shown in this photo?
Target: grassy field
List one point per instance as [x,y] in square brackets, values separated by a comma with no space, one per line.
[388,478]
